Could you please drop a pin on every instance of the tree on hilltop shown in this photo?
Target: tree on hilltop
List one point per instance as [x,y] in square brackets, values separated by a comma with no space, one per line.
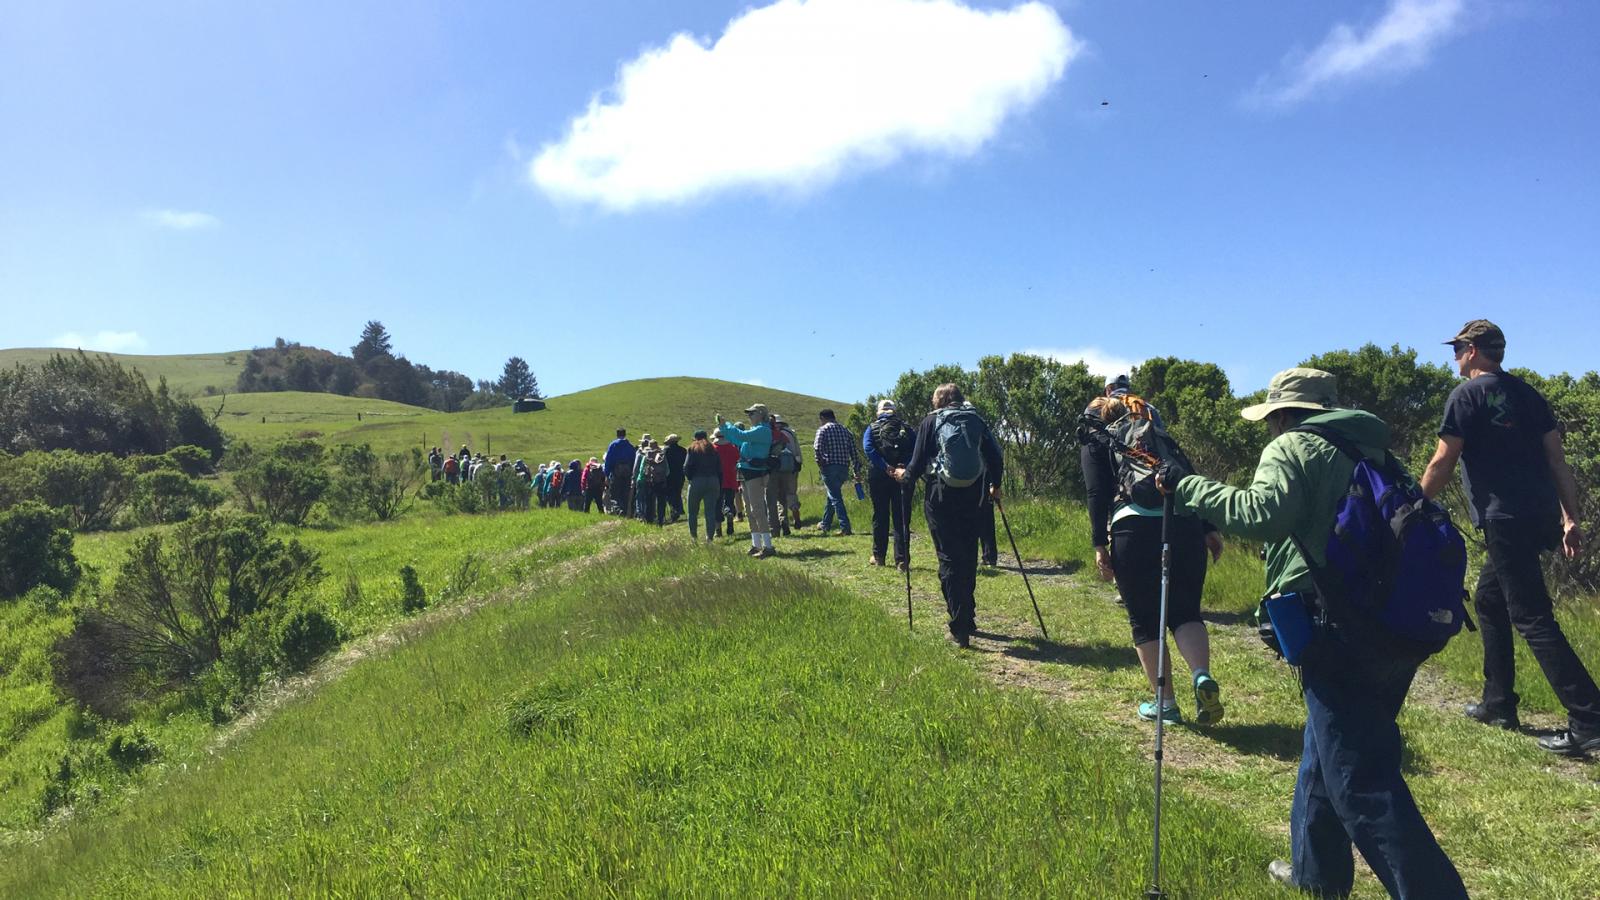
[517,381]
[375,343]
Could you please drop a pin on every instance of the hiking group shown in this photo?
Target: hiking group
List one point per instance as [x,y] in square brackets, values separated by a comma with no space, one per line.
[1365,573]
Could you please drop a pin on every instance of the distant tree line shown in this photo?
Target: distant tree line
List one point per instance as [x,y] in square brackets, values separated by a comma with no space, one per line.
[374,370]
[1033,404]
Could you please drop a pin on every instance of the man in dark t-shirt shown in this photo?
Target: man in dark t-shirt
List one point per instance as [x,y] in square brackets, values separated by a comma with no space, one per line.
[1525,500]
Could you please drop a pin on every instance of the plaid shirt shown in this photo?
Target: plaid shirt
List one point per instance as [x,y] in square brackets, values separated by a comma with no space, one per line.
[836,446]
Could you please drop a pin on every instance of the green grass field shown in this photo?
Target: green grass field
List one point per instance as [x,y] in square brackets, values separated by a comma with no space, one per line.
[188,373]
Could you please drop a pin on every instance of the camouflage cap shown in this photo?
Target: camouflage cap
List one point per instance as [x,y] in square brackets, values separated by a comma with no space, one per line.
[1481,333]
[755,408]
[1297,389]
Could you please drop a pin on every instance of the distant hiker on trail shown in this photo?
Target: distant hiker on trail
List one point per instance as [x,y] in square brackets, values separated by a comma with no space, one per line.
[594,486]
[835,448]
[642,500]
[1525,501]
[888,443]
[958,454]
[672,489]
[452,470]
[754,445]
[572,486]
[1126,536]
[1355,670]
[435,463]
[728,454]
[618,468]
[783,484]
[521,468]
[703,469]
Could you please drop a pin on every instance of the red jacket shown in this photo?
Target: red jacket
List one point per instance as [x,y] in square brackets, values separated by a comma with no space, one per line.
[729,455]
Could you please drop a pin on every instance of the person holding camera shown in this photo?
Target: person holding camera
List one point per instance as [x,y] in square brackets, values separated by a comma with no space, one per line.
[1355,673]
[755,446]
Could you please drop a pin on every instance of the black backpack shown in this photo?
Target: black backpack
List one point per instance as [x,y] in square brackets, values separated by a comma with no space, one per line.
[1141,429]
[893,439]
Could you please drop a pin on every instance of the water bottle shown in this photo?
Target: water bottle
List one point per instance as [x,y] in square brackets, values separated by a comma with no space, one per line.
[861,493]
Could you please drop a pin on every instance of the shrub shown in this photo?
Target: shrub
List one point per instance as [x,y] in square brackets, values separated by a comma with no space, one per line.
[194,461]
[90,487]
[176,601]
[285,483]
[304,636]
[130,747]
[413,598]
[168,495]
[35,551]
[367,484]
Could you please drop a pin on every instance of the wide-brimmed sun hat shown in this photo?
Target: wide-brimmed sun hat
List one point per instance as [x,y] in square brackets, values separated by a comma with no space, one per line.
[1297,389]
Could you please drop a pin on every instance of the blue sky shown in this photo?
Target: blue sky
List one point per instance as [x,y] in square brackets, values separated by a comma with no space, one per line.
[815,195]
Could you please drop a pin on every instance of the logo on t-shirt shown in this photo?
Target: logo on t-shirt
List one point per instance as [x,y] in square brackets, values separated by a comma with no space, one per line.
[1499,409]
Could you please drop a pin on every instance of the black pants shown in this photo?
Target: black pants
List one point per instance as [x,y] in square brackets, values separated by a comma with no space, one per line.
[726,510]
[594,498]
[1136,558]
[672,493]
[954,520]
[891,508]
[1511,593]
[991,553]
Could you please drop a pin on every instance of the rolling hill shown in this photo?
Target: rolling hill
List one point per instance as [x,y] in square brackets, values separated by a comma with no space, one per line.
[186,373]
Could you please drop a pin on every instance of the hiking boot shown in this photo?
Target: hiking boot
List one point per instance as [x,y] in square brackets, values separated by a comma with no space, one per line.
[845,532]
[1281,871]
[753,551]
[766,552]
[1568,743]
[1207,700]
[785,531]
[1169,714]
[964,641]
[902,565]
[875,561]
[1481,713]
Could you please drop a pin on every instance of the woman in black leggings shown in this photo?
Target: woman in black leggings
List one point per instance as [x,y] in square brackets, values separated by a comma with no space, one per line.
[1127,548]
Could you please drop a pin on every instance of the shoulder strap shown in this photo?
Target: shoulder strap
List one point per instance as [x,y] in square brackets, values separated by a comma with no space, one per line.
[1339,441]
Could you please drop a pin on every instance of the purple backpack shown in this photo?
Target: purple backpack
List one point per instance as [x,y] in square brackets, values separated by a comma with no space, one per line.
[1393,553]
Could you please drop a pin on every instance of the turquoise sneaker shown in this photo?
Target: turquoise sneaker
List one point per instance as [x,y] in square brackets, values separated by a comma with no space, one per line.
[1169,714]
[1207,700]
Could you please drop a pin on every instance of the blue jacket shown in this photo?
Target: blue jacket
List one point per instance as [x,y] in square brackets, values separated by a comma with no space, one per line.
[620,453]
[754,444]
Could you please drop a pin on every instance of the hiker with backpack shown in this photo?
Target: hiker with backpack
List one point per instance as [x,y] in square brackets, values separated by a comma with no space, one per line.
[672,489]
[1125,528]
[728,455]
[452,470]
[783,484]
[755,444]
[1525,501]
[703,469]
[572,486]
[959,459]
[835,449]
[594,486]
[618,468]
[888,443]
[1357,641]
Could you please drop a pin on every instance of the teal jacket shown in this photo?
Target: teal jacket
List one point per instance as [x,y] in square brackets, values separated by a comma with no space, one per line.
[1295,491]
[754,443]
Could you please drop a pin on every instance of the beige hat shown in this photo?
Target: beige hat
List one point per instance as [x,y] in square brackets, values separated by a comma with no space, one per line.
[754,408]
[672,439]
[1297,389]
[885,406]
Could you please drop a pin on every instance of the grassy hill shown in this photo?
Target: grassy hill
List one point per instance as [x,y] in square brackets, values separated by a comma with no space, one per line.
[577,425]
[188,373]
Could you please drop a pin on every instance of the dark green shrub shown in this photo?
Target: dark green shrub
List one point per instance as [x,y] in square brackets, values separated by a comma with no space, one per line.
[168,495]
[35,551]
[130,747]
[194,461]
[176,601]
[90,487]
[367,484]
[413,598]
[305,635]
[285,483]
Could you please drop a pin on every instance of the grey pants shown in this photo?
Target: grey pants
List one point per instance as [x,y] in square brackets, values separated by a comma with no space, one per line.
[706,491]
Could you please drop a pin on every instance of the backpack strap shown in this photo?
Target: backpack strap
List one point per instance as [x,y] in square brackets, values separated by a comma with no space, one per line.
[1340,442]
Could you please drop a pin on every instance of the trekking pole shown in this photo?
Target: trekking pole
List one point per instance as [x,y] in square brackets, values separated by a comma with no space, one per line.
[1021,568]
[1161,684]
[904,539]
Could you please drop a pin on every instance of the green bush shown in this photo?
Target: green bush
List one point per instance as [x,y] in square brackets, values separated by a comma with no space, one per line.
[90,488]
[167,495]
[35,551]
[177,599]
[366,484]
[129,746]
[285,483]
[304,636]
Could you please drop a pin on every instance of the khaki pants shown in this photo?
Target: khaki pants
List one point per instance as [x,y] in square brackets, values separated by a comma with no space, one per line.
[783,500]
[755,504]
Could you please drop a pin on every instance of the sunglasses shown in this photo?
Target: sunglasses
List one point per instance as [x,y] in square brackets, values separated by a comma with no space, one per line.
[1460,347]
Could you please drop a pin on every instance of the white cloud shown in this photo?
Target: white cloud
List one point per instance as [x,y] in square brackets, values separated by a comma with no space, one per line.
[795,93]
[1100,362]
[180,220]
[1400,41]
[103,341]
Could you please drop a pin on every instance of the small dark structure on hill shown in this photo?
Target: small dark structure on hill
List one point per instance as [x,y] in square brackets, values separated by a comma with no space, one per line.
[527,404]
